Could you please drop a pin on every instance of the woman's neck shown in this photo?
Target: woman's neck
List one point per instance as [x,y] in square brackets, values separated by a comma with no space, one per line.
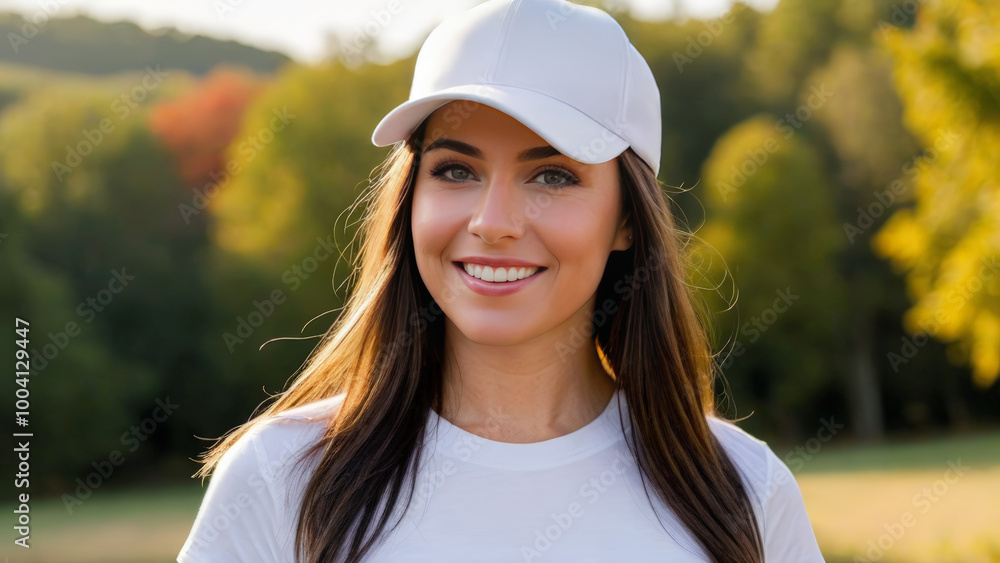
[525,393]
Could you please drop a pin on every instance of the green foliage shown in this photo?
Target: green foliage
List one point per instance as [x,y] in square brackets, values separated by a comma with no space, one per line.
[863,119]
[697,66]
[793,39]
[254,252]
[281,228]
[772,219]
[99,263]
[295,179]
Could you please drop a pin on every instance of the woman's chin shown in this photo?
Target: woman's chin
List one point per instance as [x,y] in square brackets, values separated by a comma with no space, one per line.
[492,333]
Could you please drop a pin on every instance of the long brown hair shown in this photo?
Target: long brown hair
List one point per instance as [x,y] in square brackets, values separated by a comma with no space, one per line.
[386,351]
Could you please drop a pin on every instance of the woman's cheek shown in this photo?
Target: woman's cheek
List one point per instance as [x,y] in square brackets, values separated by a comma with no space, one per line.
[576,225]
[442,207]
[427,218]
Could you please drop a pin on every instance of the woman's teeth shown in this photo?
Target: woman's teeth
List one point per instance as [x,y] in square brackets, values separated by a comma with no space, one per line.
[490,274]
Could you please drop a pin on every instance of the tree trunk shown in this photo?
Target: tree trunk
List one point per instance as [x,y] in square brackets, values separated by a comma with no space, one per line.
[865,394]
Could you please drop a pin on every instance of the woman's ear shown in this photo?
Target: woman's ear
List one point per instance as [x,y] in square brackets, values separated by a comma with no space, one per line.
[623,238]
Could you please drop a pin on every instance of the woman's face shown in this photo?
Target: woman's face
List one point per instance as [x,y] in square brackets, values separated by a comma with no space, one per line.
[481,199]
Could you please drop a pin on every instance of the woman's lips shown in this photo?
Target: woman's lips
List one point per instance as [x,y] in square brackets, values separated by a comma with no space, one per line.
[494,289]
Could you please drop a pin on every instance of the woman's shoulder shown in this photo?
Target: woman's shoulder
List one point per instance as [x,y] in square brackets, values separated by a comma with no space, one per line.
[738,441]
[316,410]
[276,441]
[785,526]
[251,505]
[284,435]
[752,456]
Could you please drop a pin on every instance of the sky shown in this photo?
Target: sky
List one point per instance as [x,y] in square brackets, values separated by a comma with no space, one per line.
[302,28]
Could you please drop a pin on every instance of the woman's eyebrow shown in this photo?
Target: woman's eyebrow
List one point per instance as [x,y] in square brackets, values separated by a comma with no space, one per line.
[536,153]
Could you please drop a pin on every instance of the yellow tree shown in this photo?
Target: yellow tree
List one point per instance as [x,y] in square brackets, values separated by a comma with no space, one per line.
[947,72]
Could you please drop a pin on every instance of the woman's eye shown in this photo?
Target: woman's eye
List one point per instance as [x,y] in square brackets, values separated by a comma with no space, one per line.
[459,173]
[556,178]
[451,172]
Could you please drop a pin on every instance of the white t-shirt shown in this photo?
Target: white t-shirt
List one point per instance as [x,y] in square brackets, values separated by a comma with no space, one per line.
[574,498]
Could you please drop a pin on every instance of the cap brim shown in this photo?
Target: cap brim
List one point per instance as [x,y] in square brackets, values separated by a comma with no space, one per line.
[567,129]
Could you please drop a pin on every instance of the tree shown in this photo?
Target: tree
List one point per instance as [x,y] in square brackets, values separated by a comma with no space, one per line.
[108,273]
[199,125]
[947,71]
[697,66]
[281,220]
[868,145]
[772,217]
[793,39]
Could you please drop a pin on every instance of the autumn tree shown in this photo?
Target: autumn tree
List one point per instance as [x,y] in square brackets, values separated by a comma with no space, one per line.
[198,125]
[947,239]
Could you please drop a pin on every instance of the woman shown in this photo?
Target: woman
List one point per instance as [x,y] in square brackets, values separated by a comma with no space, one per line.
[519,365]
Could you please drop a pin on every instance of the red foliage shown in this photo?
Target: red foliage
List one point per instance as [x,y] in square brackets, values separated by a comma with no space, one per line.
[199,125]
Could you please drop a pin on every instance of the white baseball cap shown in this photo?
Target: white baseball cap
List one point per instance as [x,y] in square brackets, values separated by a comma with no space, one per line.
[567,72]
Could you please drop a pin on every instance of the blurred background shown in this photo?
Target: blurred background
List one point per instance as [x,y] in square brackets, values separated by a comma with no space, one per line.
[175,190]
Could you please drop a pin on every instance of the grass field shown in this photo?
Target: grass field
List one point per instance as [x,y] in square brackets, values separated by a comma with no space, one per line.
[857,498]
[935,501]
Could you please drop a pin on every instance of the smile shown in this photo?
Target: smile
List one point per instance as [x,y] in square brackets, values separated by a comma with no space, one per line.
[485,283]
[498,274]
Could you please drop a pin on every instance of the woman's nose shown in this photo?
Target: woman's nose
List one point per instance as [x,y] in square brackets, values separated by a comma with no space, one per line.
[499,210]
